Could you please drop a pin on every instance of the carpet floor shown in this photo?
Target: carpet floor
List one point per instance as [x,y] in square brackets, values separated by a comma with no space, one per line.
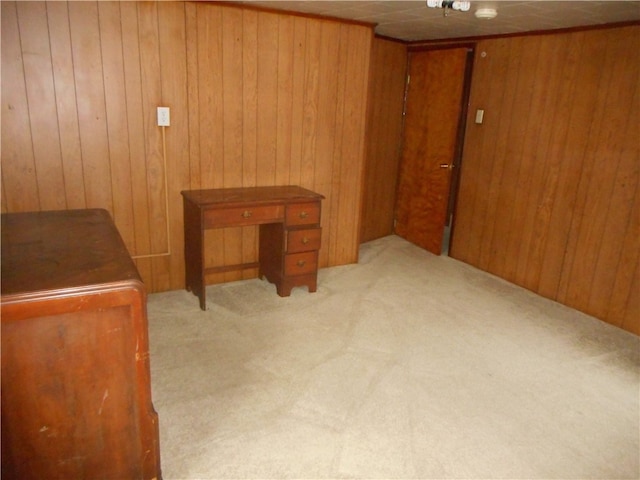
[404,366]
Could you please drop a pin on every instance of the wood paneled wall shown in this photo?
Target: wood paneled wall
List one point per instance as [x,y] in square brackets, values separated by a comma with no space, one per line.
[384,133]
[549,196]
[256,98]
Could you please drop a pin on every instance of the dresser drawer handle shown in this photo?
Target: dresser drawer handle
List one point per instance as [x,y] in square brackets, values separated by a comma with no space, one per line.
[301,263]
[304,214]
[246,214]
[305,240]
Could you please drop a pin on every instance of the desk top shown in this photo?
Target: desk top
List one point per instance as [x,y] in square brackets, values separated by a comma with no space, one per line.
[62,252]
[247,195]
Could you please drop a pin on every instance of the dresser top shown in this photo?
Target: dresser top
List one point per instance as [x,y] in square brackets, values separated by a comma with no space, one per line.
[231,196]
[60,252]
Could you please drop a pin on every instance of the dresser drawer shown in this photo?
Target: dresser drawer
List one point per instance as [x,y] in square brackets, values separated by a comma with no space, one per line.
[301,263]
[303,214]
[243,216]
[303,240]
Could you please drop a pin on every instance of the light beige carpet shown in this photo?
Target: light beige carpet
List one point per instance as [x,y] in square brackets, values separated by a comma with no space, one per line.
[407,365]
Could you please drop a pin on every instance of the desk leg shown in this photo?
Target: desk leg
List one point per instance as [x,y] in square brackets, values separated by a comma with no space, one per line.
[194,252]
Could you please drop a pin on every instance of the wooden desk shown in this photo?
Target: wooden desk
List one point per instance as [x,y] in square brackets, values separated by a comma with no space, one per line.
[76,394]
[289,219]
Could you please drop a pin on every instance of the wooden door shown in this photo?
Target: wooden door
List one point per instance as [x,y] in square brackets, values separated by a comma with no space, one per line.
[431,140]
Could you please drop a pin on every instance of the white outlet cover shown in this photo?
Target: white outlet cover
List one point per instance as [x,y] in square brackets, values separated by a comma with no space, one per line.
[163,117]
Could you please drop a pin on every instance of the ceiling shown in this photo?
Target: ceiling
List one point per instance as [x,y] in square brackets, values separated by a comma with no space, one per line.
[411,20]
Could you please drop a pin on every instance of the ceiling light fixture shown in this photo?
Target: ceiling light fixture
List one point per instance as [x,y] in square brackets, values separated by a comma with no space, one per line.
[486,13]
[449,4]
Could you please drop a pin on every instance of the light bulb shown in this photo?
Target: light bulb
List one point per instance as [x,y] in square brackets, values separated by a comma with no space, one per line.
[462,6]
[452,4]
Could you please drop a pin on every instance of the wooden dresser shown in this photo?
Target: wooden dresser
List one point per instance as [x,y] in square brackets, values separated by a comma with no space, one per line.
[289,219]
[76,394]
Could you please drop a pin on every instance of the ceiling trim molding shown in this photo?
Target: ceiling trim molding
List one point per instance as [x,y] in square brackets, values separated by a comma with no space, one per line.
[556,31]
[260,8]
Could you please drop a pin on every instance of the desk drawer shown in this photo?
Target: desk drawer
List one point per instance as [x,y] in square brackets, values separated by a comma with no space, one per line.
[303,240]
[226,217]
[301,263]
[303,214]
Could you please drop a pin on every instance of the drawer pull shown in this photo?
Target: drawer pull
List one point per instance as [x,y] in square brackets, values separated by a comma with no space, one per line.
[301,263]
[304,214]
[246,214]
[305,240]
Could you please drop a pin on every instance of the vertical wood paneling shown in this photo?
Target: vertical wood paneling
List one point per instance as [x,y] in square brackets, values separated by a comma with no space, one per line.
[154,155]
[193,95]
[482,170]
[173,64]
[232,101]
[254,100]
[209,81]
[623,302]
[249,127]
[232,127]
[310,104]
[545,175]
[512,199]
[65,94]
[564,166]
[88,77]
[116,110]
[535,158]
[491,172]
[297,97]
[548,196]
[630,314]
[211,115]
[527,107]
[38,72]
[589,174]
[19,180]
[609,139]
[3,196]
[249,97]
[506,177]
[353,123]
[331,204]
[504,94]
[284,98]
[326,127]
[136,138]
[267,98]
[384,134]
